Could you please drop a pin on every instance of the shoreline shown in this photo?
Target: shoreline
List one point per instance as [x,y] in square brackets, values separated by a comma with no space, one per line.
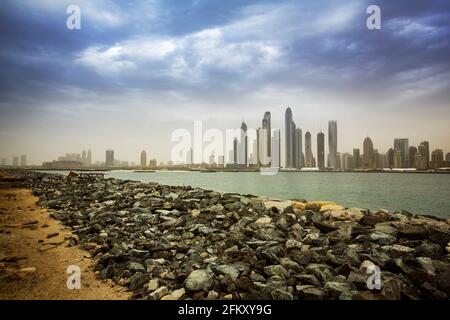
[173,242]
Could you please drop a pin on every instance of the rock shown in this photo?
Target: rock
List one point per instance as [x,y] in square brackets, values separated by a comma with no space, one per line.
[413,232]
[382,238]
[331,207]
[391,289]
[264,221]
[137,281]
[136,267]
[309,292]
[429,249]
[367,266]
[159,293]
[276,270]
[351,214]
[228,297]
[279,294]
[153,284]
[322,272]
[293,244]
[358,280]
[199,280]
[443,281]
[175,295]
[226,270]
[397,250]
[212,295]
[334,289]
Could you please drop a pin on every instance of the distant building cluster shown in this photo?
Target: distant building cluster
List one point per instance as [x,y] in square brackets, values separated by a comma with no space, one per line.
[16,161]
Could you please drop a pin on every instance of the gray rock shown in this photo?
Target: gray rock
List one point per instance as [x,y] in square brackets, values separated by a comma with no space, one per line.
[199,280]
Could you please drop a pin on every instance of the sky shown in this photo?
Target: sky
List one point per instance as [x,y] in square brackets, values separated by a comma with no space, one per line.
[138,70]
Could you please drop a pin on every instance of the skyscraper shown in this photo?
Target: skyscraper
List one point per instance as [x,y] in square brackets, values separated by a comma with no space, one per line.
[4,162]
[289,138]
[109,161]
[356,157]
[321,150]
[299,148]
[412,154]
[235,151]
[266,125]
[89,157]
[143,158]
[368,153]
[15,161]
[23,160]
[402,145]
[332,144]
[425,152]
[308,150]
[390,158]
[243,154]
[276,149]
[84,157]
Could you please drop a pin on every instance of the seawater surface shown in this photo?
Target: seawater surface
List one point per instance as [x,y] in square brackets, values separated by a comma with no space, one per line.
[416,193]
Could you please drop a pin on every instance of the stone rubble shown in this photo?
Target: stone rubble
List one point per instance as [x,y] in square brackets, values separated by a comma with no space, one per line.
[171,242]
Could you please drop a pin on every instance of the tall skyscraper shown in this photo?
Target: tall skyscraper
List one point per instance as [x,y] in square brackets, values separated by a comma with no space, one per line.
[412,154]
[424,150]
[262,153]
[289,138]
[243,146]
[276,149]
[356,158]
[84,157]
[437,159]
[109,160]
[402,145]
[390,158]
[309,161]
[235,151]
[15,161]
[332,144]
[321,150]
[299,148]
[89,157]
[266,125]
[23,160]
[368,153]
[143,158]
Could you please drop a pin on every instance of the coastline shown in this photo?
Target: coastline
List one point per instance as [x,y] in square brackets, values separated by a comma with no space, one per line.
[169,242]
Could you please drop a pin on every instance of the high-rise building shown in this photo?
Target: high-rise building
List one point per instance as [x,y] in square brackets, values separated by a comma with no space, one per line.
[309,161]
[243,146]
[402,145]
[4,162]
[152,163]
[368,153]
[84,157]
[143,158]
[266,125]
[376,159]
[321,150]
[109,160]
[447,157]
[15,162]
[437,159]
[424,150]
[289,139]
[299,158]
[356,157]
[398,161]
[412,153]
[89,158]
[262,153]
[235,151]
[347,161]
[276,149]
[332,144]
[390,158]
[212,161]
[23,160]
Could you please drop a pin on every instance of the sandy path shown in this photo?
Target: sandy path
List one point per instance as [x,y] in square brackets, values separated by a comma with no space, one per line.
[22,247]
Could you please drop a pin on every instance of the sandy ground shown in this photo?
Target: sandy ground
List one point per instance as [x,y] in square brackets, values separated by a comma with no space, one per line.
[33,266]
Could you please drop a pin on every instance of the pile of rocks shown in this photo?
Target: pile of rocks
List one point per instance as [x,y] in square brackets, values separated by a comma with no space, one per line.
[168,242]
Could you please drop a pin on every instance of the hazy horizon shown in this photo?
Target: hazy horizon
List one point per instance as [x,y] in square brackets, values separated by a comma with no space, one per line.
[138,70]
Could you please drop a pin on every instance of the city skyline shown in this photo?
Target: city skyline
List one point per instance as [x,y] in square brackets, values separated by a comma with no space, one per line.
[127,81]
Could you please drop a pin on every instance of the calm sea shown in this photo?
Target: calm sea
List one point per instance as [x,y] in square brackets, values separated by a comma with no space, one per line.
[416,193]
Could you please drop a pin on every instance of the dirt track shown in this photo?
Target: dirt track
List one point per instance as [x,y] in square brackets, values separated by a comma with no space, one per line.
[24,243]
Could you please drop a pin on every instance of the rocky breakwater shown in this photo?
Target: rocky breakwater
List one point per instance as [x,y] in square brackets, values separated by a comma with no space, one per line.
[167,242]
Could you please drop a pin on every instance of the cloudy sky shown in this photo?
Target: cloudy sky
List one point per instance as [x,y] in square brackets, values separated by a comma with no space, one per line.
[137,70]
